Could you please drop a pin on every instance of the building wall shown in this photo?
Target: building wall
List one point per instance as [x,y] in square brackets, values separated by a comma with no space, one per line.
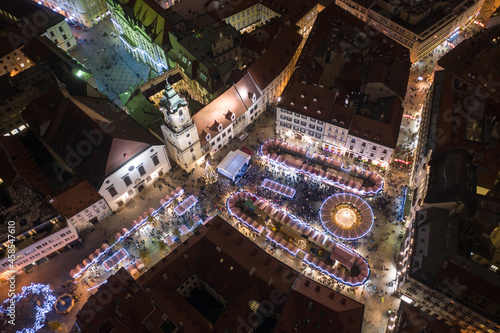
[61,35]
[117,180]
[137,40]
[250,18]
[335,138]
[293,124]
[221,139]
[84,12]
[99,210]
[422,44]
[14,62]
[30,84]
[41,248]
[183,147]
[368,150]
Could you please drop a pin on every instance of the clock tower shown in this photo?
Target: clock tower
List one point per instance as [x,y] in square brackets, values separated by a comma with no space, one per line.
[179,130]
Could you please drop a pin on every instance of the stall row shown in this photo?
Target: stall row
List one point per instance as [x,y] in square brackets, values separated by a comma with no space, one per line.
[323,168]
[184,206]
[278,188]
[80,268]
[336,251]
[115,259]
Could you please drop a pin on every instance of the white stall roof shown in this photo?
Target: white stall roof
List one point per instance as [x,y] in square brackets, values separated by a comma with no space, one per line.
[232,163]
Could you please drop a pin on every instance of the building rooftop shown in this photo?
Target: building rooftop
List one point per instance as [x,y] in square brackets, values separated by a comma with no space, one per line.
[15,17]
[22,204]
[200,43]
[308,100]
[121,138]
[225,260]
[125,307]
[218,112]
[378,122]
[414,320]
[269,65]
[452,177]
[441,258]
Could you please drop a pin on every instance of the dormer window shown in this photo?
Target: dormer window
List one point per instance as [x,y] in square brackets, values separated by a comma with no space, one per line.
[315,99]
[208,137]
[291,103]
[254,97]
[220,128]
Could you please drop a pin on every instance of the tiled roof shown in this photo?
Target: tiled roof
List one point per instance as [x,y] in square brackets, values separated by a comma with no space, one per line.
[265,69]
[240,271]
[308,100]
[382,131]
[64,123]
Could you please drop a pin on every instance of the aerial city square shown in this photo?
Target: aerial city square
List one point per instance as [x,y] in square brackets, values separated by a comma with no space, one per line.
[250,166]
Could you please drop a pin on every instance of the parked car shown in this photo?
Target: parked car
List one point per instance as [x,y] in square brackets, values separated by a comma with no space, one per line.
[242,137]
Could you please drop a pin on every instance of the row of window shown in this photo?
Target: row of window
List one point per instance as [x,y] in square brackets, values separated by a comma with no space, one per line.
[126,179]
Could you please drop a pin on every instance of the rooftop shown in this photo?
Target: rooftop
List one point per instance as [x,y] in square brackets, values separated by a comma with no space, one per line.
[25,206]
[235,100]
[265,69]
[378,122]
[121,137]
[226,260]
[315,102]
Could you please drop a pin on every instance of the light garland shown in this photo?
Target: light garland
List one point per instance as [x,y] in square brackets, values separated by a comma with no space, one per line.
[139,225]
[178,209]
[355,284]
[270,182]
[319,178]
[41,311]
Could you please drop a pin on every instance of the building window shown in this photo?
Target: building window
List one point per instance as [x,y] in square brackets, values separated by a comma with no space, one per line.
[127,180]
[141,170]
[112,191]
[384,151]
[363,144]
[353,141]
[155,159]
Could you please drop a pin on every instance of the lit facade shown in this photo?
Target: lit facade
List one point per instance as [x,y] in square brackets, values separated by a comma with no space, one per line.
[97,211]
[84,12]
[145,45]
[55,235]
[134,176]
[421,43]
[250,18]
[179,130]
[368,150]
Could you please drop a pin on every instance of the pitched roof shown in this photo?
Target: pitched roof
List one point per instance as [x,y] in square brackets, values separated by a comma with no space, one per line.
[240,271]
[315,102]
[383,128]
[65,124]
[269,65]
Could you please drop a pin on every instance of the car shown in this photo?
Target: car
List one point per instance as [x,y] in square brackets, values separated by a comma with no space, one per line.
[242,137]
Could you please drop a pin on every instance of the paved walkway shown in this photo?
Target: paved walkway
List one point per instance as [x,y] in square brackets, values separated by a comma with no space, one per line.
[115,69]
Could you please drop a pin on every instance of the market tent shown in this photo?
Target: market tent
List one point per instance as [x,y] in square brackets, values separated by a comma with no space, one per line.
[231,165]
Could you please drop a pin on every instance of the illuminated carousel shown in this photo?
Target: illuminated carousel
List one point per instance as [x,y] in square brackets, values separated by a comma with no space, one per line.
[346,216]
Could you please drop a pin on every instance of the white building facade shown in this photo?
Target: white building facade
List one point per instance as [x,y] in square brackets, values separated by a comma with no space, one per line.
[95,212]
[134,176]
[368,150]
[61,35]
[179,130]
[41,248]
